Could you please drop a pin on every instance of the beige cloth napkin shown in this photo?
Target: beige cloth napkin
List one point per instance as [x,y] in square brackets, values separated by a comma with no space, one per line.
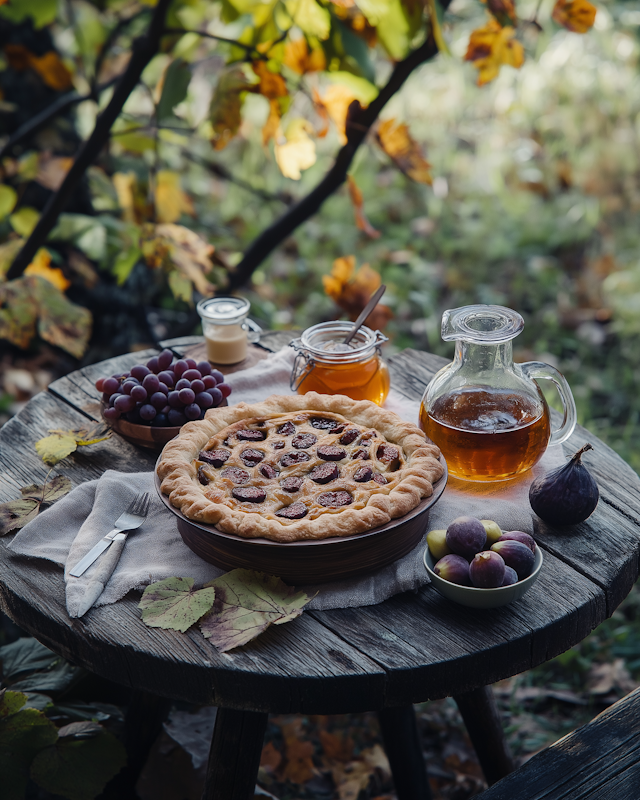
[73,525]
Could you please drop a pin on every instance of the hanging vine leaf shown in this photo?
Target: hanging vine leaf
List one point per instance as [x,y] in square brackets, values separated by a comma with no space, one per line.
[403,150]
[491,47]
[362,223]
[246,603]
[574,15]
[297,152]
[226,105]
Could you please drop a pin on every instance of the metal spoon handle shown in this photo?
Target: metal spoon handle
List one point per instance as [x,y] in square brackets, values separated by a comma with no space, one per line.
[373,302]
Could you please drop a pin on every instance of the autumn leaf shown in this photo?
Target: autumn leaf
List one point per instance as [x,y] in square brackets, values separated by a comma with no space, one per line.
[17,513]
[24,220]
[170,200]
[403,150]
[298,766]
[176,246]
[298,58]
[574,15]
[52,170]
[172,604]
[41,265]
[226,105]
[297,152]
[503,10]
[322,112]
[362,223]
[271,128]
[48,66]
[246,603]
[336,101]
[492,46]
[271,85]
[61,443]
[351,290]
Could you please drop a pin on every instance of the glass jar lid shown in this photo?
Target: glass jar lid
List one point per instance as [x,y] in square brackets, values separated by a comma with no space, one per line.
[223,310]
[324,342]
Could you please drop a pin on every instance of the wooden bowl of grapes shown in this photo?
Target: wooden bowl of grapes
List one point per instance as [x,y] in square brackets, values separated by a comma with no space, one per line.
[149,404]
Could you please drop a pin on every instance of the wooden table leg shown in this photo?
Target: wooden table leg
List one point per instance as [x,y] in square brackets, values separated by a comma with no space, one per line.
[404,751]
[482,718]
[234,757]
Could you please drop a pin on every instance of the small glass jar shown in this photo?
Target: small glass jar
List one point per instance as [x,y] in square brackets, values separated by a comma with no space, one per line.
[324,364]
[226,328]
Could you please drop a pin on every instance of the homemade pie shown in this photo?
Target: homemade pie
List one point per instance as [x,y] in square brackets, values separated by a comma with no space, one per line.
[299,467]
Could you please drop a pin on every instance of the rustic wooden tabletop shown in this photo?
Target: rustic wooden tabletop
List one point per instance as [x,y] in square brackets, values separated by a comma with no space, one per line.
[411,648]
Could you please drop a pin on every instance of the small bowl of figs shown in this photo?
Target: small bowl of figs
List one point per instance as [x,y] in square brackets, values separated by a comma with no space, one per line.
[474,563]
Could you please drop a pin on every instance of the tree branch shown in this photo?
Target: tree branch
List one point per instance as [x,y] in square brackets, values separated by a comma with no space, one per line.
[359,122]
[143,50]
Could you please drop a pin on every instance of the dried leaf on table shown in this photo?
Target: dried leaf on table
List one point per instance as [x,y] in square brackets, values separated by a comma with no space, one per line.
[574,15]
[16,514]
[173,604]
[362,223]
[246,603]
[61,443]
[403,150]
[491,47]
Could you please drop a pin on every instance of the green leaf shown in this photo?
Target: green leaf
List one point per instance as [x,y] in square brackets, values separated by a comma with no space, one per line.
[362,89]
[24,220]
[8,197]
[310,17]
[57,679]
[174,89]
[17,513]
[42,12]
[246,603]
[135,142]
[172,604]
[25,655]
[55,447]
[358,49]
[125,262]
[11,702]
[22,736]
[181,287]
[76,767]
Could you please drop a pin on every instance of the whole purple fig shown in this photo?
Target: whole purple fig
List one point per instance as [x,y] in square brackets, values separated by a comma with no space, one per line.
[516,555]
[454,569]
[466,536]
[519,536]
[566,495]
[510,576]
[487,570]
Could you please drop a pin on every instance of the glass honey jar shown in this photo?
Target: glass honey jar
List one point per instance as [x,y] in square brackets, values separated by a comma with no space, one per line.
[324,364]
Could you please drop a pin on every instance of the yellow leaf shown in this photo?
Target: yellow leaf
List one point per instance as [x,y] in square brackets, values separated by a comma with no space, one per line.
[574,15]
[124,183]
[8,197]
[336,101]
[271,84]
[351,290]
[404,151]
[52,170]
[24,220]
[362,222]
[226,105]
[176,246]
[49,66]
[310,17]
[492,46]
[298,58]
[341,273]
[297,152]
[55,447]
[41,266]
[272,125]
[171,201]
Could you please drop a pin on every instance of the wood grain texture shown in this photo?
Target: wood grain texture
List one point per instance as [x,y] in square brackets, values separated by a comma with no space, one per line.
[600,761]
[411,648]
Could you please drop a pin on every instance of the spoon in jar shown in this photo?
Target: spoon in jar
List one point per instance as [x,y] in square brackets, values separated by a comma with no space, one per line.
[373,302]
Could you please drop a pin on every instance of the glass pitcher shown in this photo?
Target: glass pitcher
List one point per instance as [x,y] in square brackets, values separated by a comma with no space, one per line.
[487,414]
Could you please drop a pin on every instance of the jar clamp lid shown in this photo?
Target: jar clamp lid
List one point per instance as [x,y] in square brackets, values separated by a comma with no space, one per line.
[223,310]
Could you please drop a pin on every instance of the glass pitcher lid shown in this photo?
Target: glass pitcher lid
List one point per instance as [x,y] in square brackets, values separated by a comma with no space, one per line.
[481,324]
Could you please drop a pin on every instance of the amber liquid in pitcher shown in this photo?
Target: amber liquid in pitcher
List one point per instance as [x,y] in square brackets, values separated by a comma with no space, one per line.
[364,380]
[487,435]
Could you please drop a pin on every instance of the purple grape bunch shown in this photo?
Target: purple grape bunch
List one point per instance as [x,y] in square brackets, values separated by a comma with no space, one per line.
[163,393]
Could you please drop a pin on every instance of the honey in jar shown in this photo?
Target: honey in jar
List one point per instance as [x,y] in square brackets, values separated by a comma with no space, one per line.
[325,364]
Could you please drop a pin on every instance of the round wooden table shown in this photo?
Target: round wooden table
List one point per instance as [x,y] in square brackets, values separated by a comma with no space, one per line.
[411,648]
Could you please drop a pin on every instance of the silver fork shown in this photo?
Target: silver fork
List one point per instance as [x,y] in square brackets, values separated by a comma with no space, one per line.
[131,519]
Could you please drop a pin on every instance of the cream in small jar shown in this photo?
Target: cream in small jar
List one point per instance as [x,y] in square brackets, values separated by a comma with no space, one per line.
[225,328]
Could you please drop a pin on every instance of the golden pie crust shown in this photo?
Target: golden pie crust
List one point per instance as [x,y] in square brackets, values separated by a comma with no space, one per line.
[242,465]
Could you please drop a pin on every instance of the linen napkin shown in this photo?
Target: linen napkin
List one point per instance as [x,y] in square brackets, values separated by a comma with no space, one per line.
[73,525]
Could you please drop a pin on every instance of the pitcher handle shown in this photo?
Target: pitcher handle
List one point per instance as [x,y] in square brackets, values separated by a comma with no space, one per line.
[537,370]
